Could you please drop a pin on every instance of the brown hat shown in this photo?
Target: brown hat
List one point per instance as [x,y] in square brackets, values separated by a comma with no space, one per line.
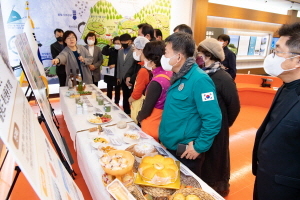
[213,46]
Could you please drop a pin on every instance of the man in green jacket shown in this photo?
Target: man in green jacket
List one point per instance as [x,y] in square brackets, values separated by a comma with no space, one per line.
[191,112]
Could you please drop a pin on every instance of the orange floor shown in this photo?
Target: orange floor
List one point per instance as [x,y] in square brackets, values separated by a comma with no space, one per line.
[242,135]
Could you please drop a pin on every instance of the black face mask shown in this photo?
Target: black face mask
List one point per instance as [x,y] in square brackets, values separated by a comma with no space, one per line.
[125,46]
[59,39]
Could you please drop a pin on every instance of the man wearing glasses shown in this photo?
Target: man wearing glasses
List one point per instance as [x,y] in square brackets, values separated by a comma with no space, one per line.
[276,153]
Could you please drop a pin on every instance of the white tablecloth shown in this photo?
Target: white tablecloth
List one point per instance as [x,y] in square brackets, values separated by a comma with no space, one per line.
[88,160]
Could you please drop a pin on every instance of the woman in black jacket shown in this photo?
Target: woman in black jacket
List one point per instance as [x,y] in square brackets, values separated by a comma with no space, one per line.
[111,81]
[216,167]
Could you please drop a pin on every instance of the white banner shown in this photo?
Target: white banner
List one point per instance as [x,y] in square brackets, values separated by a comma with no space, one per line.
[8,86]
[35,80]
[32,151]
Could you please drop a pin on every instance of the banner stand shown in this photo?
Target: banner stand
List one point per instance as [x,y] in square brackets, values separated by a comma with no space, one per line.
[42,119]
[31,94]
[17,168]
[60,155]
[4,159]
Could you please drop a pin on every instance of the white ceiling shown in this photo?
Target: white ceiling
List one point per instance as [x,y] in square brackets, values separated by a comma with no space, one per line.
[274,6]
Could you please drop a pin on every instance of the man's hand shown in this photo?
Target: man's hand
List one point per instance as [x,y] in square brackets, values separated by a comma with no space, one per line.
[55,61]
[190,152]
[92,67]
[127,82]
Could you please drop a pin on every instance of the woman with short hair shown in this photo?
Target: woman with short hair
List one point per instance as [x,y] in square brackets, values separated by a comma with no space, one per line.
[75,57]
[95,51]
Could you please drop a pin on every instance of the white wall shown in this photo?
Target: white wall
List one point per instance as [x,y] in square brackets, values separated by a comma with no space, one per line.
[181,13]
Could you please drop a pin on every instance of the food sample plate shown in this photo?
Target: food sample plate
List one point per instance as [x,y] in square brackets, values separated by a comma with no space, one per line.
[99,120]
[131,137]
[99,141]
[176,185]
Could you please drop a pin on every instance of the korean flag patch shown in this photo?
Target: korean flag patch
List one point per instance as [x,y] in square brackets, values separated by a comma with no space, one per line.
[209,96]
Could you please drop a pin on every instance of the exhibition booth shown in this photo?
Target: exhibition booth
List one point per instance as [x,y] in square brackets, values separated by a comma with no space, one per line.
[102,134]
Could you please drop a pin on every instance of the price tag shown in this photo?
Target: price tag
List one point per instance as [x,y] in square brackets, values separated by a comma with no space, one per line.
[161,151]
[184,171]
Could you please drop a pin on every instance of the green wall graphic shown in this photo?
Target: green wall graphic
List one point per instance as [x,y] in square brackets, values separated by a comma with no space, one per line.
[106,22]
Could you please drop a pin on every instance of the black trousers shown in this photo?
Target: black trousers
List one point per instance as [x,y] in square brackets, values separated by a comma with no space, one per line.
[126,94]
[193,165]
[109,90]
[62,79]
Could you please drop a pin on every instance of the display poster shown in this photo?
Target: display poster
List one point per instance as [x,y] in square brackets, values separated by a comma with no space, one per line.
[31,149]
[35,156]
[8,86]
[251,48]
[234,43]
[257,46]
[107,18]
[34,78]
[243,45]
[273,43]
[263,46]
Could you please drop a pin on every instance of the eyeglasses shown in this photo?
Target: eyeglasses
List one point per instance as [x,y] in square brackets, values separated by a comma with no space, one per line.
[280,52]
[70,38]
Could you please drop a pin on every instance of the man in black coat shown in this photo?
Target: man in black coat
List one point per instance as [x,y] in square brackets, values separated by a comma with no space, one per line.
[230,58]
[276,153]
[56,48]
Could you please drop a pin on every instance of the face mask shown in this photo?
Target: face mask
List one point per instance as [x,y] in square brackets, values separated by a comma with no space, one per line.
[125,46]
[59,39]
[90,42]
[136,57]
[146,63]
[272,65]
[165,63]
[117,46]
[200,61]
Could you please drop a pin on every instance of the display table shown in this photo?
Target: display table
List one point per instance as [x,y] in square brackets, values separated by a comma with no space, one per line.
[87,156]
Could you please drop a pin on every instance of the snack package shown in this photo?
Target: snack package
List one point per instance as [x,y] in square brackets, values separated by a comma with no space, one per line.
[118,191]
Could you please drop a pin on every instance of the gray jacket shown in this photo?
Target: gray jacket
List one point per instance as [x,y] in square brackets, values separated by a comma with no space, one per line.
[97,62]
[124,65]
[67,58]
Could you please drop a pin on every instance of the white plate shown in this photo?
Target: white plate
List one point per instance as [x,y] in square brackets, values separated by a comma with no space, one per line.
[97,144]
[129,140]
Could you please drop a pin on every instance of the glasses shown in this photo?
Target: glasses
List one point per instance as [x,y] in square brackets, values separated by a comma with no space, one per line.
[71,38]
[280,53]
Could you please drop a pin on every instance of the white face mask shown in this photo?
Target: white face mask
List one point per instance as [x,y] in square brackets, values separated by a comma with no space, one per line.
[136,57]
[91,42]
[165,63]
[272,65]
[146,65]
[117,46]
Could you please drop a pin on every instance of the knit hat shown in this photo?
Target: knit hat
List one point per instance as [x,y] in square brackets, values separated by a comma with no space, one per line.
[213,46]
[140,42]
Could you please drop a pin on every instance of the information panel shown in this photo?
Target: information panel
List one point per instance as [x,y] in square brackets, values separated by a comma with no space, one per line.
[38,87]
[31,149]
